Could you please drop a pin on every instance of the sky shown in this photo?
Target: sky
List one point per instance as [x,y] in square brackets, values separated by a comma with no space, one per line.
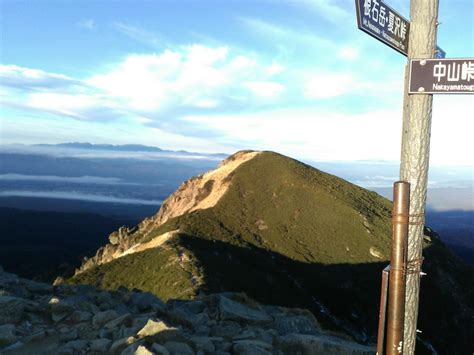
[296,77]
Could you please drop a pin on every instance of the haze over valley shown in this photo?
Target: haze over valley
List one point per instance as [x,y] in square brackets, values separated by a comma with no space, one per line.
[46,188]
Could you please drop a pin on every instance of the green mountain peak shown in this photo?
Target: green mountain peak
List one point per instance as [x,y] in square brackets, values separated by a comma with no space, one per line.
[284,233]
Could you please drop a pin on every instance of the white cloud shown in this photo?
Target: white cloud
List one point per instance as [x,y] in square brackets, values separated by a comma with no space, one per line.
[159,86]
[329,9]
[264,88]
[329,85]
[348,53]
[20,77]
[275,69]
[151,39]
[88,24]
[311,134]
[194,76]
[287,36]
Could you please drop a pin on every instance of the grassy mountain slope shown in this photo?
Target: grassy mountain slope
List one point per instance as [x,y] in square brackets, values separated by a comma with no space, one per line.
[286,233]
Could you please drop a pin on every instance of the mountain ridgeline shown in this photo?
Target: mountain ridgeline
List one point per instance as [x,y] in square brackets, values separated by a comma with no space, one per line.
[285,234]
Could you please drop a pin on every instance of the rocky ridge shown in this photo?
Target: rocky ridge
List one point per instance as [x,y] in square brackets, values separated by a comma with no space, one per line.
[199,192]
[38,318]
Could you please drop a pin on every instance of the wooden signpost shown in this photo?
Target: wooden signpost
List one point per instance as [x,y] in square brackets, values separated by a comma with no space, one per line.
[427,73]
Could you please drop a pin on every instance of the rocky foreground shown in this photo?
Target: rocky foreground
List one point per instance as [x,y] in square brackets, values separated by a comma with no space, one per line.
[38,318]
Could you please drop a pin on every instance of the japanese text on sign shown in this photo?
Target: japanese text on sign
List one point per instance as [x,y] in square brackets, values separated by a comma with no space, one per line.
[441,76]
[382,22]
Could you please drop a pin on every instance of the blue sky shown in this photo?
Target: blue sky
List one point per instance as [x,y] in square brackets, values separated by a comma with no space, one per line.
[296,77]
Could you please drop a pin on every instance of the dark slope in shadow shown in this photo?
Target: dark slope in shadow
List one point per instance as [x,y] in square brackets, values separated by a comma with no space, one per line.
[344,295]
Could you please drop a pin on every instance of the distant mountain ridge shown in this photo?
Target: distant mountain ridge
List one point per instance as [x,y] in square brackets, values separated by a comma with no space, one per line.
[123,148]
[284,233]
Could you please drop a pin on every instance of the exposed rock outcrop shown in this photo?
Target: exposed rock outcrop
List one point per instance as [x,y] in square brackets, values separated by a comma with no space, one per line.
[82,319]
[200,192]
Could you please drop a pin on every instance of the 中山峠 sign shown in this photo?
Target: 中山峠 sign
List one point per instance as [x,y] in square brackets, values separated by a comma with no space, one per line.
[384,23]
[441,76]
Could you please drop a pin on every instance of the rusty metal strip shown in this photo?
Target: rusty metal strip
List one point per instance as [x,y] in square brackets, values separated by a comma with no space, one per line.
[414,266]
[417,219]
[383,310]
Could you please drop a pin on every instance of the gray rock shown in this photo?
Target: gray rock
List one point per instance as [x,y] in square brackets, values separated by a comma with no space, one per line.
[76,345]
[38,287]
[222,345]
[232,310]
[11,309]
[102,318]
[178,348]
[66,334]
[132,349]
[251,347]
[311,344]
[299,324]
[246,334]
[142,350]
[80,316]
[14,348]
[137,349]
[158,331]
[192,307]
[145,301]
[125,319]
[7,334]
[120,345]
[160,349]
[100,345]
[36,336]
[203,343]
[60,309]
[226,329]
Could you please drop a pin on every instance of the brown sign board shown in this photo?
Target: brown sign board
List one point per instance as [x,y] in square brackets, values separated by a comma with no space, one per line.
[385,24]
[441,76]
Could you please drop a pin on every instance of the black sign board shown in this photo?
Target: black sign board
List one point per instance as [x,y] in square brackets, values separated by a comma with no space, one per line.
[441,76]
[384,23]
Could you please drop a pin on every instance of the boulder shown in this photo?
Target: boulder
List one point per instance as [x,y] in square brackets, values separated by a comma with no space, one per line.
[77,346]
[311,344]
[102,318]
[226,329]
[145,301]
[251,347]
[38,287]
[160,349]
[80,316]
[125,319]
[298,324]
[203,343]
[119,345]
[7,334]
[100,345]
[232,310]
[11,309]
[158,331]
[175,347]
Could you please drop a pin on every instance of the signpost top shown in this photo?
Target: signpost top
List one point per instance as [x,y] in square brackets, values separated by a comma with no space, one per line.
[385,24]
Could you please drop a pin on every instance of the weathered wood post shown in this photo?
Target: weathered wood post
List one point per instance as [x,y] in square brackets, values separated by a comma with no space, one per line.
[415,156]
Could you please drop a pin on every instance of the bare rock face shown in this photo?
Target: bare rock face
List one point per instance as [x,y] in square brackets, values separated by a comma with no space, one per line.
[200,192]
[90,321]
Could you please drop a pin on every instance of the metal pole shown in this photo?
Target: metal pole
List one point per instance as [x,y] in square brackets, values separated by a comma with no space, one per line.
[396,288]
[383,311]
[415,157]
